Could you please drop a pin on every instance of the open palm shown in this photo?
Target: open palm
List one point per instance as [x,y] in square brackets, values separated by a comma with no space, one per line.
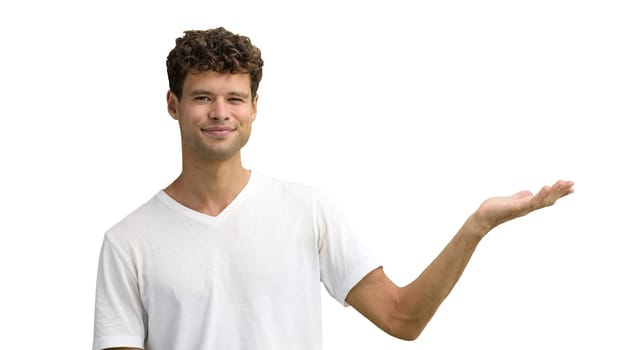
[497,210]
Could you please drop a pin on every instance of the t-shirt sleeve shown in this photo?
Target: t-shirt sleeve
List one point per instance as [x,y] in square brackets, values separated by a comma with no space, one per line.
[344,259]
[119,315]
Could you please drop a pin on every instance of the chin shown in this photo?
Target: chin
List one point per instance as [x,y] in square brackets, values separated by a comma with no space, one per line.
[219,155]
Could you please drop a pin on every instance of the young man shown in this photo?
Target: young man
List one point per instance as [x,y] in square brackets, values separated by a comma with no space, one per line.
[226,258]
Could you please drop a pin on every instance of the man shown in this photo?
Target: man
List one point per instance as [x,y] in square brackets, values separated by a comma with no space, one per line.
[226,258]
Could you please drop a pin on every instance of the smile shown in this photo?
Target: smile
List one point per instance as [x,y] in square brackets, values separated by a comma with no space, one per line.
[218,131]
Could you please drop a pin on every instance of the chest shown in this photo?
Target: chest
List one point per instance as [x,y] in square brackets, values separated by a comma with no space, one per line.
[231,264]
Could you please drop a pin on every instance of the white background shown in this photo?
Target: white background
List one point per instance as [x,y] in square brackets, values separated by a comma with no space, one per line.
[408,114]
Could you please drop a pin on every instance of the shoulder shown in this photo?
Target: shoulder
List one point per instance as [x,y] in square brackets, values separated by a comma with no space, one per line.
[292,192]
[137,223]
[283,188]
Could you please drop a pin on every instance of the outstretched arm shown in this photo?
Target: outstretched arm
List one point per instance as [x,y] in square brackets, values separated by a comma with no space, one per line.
[404,312]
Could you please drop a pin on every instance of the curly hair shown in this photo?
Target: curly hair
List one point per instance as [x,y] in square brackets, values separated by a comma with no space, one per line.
[214,49]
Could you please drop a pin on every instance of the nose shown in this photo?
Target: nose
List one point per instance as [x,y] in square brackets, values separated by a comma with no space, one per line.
[218,110]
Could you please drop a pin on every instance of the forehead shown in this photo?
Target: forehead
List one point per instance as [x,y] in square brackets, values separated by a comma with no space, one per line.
[217,82]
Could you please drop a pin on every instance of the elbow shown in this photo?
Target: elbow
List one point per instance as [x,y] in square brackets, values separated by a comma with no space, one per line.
[407,333]
[409,337]
[405,325]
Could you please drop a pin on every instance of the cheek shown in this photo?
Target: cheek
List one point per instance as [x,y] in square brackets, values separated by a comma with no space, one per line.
[248,123]
[192,116]
[246,117]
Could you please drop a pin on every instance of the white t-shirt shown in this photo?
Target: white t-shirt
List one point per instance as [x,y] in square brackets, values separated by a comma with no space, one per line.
[171,278]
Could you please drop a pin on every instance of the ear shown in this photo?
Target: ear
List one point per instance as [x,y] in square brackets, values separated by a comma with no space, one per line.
[171,103]
[255,99]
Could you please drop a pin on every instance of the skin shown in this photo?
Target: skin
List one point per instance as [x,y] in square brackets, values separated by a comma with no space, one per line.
[404,312]
[215,115]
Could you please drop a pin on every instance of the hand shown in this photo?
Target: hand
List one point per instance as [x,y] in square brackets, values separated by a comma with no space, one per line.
[497,210]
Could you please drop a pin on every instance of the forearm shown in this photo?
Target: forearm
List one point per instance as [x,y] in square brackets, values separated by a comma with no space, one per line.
[404,312]
[418,301]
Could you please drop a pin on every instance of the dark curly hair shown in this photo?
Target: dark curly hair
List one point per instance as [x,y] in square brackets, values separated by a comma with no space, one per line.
[214,49]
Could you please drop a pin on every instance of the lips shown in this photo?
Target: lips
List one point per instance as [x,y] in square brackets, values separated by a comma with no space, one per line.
[218,131]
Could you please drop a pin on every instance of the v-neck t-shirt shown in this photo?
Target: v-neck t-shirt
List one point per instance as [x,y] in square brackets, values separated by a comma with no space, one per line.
[172,278]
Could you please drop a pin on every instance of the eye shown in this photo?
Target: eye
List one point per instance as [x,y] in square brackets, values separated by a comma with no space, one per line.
[201,98]
[236,100]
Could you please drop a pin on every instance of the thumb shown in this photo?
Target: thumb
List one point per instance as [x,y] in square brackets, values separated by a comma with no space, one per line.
[522,194]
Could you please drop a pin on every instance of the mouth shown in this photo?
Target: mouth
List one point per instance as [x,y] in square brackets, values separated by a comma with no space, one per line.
[218,131]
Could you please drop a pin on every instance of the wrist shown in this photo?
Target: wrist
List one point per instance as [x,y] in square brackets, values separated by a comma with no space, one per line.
[477,225]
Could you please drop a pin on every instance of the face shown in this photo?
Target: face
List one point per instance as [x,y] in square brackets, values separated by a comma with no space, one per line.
[215,114]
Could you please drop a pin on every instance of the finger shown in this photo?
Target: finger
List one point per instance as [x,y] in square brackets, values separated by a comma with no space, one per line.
[559,189]
[549,195]
[563,188]
[543,193]
[569,187]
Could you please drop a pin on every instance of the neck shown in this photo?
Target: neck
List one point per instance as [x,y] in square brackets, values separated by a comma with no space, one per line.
[209,186]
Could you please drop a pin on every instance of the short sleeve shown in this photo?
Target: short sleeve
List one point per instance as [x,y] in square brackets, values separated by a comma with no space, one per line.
[344,259]
[119,315]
